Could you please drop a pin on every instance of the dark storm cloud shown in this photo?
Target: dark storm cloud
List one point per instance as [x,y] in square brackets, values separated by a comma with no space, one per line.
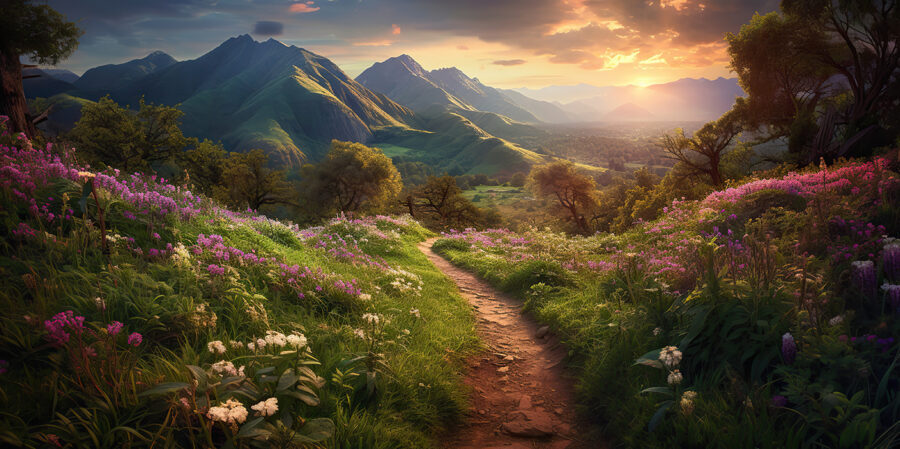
[268,28]
[509,62]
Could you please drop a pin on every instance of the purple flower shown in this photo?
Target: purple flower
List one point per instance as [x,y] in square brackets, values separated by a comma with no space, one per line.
[114,328]
[135,339]
[864,278]
[779,401]
[788,348]
[891,261]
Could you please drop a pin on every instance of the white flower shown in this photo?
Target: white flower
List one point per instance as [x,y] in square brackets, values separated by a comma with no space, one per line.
[656,331]
[275,338]
[860,264]
[226,367]
[687,401]
[100,303]
[260,343]
[236,344]
[415,313]
[889,287]
[372,318]
[296,340]
[359,333]
[670,356]
[231,412]
[267,407]
[365,296]
[675,377]
[251,346]
[216,347]
[836,320]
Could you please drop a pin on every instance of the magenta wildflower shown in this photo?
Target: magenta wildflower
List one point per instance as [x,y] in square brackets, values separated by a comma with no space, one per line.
[114,328]
[135,339]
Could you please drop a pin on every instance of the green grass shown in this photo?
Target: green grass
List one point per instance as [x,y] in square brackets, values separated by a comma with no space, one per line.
[416,360]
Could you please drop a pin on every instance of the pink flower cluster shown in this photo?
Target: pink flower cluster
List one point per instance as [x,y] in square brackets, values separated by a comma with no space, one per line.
[56,327]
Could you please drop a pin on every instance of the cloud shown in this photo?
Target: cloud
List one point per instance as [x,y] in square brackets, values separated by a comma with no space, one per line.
[268,28]
[509,62]
[395,29]
[462,47]
[304,7]
[381,43]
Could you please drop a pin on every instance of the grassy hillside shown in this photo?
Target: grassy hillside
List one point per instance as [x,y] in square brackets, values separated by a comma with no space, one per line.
[765,315]
[137,314]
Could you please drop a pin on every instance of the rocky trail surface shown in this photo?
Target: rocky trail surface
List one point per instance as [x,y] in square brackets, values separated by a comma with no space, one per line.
[521,395]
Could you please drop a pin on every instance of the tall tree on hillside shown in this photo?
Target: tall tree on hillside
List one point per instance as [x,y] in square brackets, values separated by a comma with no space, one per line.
[41,34]
[250,183]
[440,200]
[129,140]
[575,192]
[701,155]
[352,177]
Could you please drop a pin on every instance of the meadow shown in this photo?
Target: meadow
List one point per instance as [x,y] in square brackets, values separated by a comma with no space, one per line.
[763,315]
[136,314]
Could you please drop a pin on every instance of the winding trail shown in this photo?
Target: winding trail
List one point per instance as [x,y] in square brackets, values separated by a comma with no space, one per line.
[521,396]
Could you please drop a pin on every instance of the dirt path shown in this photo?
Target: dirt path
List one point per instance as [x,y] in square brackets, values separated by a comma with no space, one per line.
[521,397]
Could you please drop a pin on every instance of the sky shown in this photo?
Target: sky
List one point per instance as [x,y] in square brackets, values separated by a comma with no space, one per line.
[504,43]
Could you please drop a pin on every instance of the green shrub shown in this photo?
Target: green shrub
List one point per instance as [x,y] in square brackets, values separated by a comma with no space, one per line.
[534,272]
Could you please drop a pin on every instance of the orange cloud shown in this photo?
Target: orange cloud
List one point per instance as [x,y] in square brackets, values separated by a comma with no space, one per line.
[304,7]
[382,43]
[395,29]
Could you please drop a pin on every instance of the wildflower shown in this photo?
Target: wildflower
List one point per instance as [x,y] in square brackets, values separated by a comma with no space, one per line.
[101,305]
[251,346]
[114,328]
[687,401]
[267,407]
[415,313]
[275,338]
[893,293]
[359,333]
[788,348]
[656,331]
[836,320]
[372,318]
[230,412]
[864,278]
[779,401]
[216,347]
[891,261]
[236,344]
[260,343]
[135,339]
[296,340]
[670,356]
[365,296]
[675,377]
[226,367]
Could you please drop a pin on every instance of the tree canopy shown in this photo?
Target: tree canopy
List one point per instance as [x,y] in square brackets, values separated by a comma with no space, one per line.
[39,33]
[352,177]
[574,192]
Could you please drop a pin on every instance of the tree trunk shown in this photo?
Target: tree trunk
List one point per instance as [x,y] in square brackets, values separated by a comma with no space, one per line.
[12,96]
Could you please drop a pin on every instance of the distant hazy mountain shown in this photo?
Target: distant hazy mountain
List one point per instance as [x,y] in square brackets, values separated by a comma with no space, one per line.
[402,79]
[111,77]
[60,74]
[43,84]
[545,111]
[629,112]
[686,99]
[292,103]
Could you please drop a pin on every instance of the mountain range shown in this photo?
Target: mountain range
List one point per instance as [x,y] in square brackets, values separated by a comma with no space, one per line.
[292,103]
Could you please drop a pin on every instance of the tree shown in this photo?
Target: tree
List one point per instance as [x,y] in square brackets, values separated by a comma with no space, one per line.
[574,192]
[352,177]
[41,34]
[825,72]
[775,66]
[203,163]
[129,140]
[250,183]
[701,155]
[440,200]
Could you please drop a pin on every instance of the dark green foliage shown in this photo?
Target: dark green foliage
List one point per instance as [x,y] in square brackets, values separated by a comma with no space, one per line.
[536,272]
